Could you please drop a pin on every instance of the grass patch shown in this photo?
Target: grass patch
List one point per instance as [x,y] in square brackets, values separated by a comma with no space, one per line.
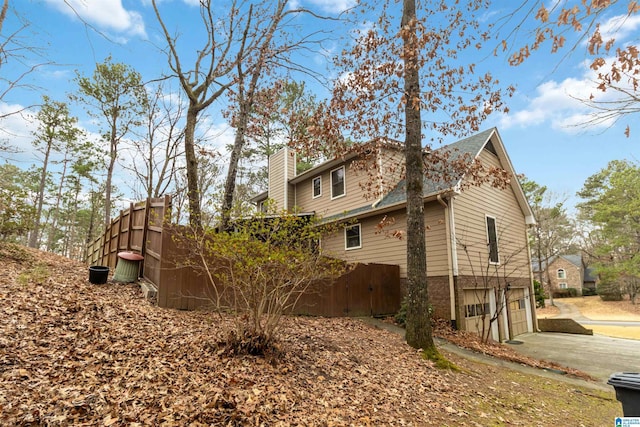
[36,275]
[440,361]
[628,332]
[13,252]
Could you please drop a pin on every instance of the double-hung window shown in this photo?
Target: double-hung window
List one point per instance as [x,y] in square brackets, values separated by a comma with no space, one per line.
[352,237]
[492,240]
[317,187]
[337,182]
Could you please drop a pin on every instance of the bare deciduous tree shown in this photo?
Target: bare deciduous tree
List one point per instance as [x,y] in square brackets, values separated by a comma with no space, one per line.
[156,153]
[207,80]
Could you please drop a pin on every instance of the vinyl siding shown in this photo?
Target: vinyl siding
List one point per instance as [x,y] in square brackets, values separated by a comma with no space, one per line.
[470,210]
[282,163]
[392,168]
[276,178]
[361,188]
[384,248]
[376,248]
[324,205]
[436,236]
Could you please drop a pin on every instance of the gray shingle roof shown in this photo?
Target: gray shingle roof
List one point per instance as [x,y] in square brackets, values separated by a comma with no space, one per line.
[574,259]
[590,275]
[470,147]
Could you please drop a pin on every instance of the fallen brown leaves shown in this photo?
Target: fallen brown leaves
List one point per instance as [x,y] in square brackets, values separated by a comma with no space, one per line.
[73,353]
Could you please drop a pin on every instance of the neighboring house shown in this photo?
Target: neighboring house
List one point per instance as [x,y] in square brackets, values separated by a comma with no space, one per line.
[565,272]
[478,261]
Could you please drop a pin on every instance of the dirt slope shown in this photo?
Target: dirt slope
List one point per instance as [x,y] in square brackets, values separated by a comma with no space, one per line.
[72,353]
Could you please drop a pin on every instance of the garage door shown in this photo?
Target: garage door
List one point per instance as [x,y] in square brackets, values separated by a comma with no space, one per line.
[477,311]
[517,311]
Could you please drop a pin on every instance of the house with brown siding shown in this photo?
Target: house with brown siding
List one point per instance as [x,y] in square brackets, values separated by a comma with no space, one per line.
[478,260]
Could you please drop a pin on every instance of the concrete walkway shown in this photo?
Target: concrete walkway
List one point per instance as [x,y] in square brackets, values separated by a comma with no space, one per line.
[597,355]
[568,311]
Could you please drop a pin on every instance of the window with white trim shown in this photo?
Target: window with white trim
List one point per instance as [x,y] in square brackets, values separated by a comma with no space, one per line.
[492,240]
[337,182]
[352,237]
[562,274]
[317,187]
[562,285]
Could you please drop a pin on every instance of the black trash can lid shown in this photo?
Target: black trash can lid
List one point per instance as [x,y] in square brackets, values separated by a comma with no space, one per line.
[630,380]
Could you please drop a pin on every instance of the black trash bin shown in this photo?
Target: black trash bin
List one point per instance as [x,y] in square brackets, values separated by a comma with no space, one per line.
[98,274]
[627,386]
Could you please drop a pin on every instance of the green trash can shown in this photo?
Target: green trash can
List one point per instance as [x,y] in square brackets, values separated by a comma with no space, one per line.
[127,268]
[627,386]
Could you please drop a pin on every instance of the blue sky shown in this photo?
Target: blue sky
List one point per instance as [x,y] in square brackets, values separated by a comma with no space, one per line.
[538,132]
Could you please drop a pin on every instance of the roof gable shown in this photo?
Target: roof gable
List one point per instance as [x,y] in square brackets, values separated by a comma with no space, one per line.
[574,259]
[471,148]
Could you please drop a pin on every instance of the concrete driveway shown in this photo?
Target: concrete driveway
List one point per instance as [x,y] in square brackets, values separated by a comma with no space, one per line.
[596,355]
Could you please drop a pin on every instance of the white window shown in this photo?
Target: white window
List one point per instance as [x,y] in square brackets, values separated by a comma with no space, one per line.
[337,182]
[352,238]
[492,240]
[562,285]
[317,187]
[562,274]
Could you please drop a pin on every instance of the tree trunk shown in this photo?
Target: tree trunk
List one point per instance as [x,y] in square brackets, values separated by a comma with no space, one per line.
[236,153]
[34,236]
[113,153]
[418,332]
[56,210]
[193,193]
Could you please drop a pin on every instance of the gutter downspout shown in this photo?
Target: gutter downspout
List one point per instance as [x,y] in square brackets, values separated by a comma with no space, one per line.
[532,291]
[380,179]
[285,177]
[452,258]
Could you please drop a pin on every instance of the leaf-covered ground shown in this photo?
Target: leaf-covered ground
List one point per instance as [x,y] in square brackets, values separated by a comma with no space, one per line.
[73,353]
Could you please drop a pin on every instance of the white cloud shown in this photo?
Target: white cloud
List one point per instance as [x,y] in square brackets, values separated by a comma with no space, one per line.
[563,105]
[620,27]
[336,6]
[16,128]
[104,14]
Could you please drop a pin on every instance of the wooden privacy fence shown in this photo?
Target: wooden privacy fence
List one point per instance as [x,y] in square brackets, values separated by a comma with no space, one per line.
[137,229]
[367,290]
